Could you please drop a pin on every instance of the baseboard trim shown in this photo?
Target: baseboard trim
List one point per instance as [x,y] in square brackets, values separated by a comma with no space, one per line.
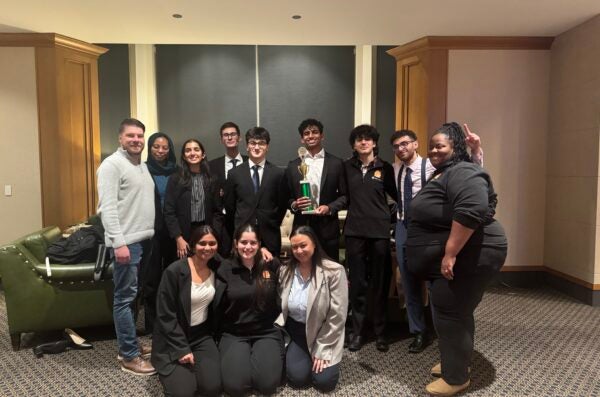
[535,276]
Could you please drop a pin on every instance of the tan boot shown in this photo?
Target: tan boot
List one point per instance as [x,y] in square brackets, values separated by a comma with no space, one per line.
[138,366]
[436,370]
[441,388]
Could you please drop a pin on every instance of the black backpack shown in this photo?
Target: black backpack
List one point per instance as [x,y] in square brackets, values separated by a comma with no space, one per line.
[79,247]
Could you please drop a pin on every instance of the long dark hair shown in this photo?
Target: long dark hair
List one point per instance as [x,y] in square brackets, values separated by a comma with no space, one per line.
[185,175]
[455,134]
[197,235]
[260,297]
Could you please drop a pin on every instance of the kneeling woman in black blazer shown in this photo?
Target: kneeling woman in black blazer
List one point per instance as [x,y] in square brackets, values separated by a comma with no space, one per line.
[251,346]
[314,304]
[183,349]
[191,197]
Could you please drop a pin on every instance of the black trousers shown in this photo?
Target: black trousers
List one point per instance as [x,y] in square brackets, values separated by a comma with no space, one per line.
[454,301]
[204,377]
[152,268]
[298,362]
[251,362]
[369,263]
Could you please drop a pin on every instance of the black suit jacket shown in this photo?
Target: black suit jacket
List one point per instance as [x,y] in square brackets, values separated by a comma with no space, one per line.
[171,337]
[266,207]
[332,193]
[178,207]
[217,169]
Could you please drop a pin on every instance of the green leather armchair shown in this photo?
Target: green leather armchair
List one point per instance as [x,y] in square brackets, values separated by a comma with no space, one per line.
[35,302]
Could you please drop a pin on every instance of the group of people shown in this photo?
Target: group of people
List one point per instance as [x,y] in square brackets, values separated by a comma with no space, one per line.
[227,316]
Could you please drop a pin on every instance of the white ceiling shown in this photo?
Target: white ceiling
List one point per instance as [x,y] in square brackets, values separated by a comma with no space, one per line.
[324,22]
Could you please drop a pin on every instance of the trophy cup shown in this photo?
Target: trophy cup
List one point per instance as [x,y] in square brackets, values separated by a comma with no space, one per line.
[304,183]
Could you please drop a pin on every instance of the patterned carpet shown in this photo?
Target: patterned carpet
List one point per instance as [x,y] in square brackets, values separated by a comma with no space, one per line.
[528,343]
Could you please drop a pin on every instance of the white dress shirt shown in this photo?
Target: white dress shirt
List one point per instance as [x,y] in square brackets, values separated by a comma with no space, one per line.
[315,173]
[298,299]
[261,169]
[229,166]
[415,176]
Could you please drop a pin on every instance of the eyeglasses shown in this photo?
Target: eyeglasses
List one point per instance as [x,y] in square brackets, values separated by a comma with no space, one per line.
[402,145]
[228,135]
[257,143]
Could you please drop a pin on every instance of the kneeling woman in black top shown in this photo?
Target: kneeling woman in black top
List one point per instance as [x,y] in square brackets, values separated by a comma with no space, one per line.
[454,242]
[251,346]
[183,349]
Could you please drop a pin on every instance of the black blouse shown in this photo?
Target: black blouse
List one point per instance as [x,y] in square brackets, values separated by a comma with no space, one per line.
[239,309]
[463,193]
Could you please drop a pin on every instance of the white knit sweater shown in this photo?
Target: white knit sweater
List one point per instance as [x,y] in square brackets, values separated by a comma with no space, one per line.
[126,200]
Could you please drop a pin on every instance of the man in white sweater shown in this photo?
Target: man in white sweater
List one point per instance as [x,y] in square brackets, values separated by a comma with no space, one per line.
[126,207]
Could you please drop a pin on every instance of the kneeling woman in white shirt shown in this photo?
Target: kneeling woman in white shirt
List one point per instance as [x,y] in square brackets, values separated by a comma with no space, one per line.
[314,303]
[183,349]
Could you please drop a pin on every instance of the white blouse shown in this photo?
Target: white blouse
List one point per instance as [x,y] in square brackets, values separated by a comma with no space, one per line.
[202,295]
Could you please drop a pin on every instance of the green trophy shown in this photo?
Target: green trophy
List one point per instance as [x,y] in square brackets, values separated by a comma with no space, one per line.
[304,183]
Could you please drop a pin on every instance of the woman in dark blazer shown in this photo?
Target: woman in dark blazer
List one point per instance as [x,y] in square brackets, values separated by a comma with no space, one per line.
[191,197]
[183,349]
[314,304]
[454,242]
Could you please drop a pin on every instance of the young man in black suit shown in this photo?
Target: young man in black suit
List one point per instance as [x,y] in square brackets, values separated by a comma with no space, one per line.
[255,192]
[220,167]
[328,188]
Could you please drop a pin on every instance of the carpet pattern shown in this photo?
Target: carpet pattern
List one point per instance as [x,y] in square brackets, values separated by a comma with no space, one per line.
[528,343]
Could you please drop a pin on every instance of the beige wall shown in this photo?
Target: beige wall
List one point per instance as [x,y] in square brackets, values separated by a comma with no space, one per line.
[503,96]
[572,221]
[19,163]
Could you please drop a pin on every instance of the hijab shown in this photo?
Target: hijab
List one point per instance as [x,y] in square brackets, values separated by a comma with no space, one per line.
[154,166]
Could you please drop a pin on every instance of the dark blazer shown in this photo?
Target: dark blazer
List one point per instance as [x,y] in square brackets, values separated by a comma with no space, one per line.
[332,193]
[266,208]
[171,337]
[217,169]
[178,207]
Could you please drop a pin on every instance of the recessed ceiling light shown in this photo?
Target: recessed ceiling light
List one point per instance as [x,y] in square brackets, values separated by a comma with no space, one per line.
[178,16]
[296,16]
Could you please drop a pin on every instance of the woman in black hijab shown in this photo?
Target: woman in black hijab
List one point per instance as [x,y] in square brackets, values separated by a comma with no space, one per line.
[161,163]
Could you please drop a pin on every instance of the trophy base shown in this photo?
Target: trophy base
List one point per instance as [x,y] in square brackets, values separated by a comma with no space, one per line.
[309,212]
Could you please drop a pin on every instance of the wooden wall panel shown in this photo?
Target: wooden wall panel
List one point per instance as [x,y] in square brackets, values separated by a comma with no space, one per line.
[69,128]
[419,106]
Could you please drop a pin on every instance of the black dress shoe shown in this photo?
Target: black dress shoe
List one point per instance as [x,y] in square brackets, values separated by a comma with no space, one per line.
[419,343]
[356,344]
[69,341]
[382,344]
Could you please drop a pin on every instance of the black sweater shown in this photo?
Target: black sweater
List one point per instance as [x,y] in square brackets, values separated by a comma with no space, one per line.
[463,193]
[368,210]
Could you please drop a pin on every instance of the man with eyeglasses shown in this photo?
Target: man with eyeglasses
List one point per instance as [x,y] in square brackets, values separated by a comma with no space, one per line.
[220,167]
[255,192]
[327,184]
[405,145]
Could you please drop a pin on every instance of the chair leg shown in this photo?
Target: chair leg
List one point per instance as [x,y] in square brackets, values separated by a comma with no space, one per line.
[15,340]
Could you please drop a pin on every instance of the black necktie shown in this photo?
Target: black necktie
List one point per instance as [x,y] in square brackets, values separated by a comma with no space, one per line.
[255,178]
[233,162]
[407,193]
